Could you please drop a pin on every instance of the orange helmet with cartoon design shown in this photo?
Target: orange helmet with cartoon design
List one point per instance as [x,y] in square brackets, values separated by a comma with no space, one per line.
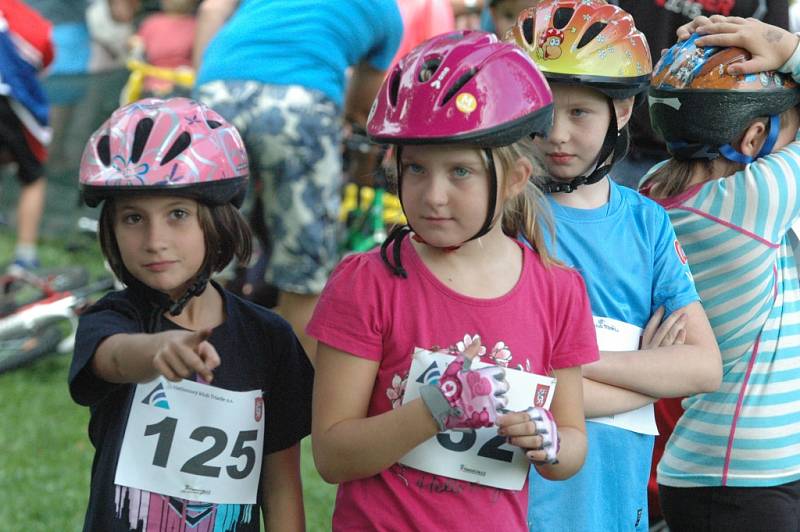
[588,42]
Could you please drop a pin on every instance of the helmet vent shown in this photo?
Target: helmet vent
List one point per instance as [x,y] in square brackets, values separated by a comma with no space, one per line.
[562,17]
[104,150]
[460,82]
[429,68]
[394,87]
[593,31]
[180,144]
[140,136]
[527,30]
[213,124]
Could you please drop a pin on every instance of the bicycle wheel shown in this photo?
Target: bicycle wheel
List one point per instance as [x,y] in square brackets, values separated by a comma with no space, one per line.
[20,348]
[18,291]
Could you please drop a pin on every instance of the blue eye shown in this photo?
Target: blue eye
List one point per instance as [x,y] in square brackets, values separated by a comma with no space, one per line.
[460,171]
[413,168]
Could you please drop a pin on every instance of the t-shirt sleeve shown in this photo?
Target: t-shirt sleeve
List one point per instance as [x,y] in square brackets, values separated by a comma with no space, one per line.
[387,37]
[347,316]
[673,286]
[575,339]
[288,403]
[109,316]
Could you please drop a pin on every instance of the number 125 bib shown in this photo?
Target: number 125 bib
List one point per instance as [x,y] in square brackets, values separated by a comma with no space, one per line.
[193,441]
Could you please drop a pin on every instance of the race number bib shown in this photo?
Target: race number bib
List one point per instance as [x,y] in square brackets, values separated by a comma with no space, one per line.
[479,456]
[193,441]
[615,335]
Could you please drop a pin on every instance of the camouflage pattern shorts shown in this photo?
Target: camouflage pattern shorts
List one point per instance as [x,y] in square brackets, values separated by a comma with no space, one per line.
[293,138]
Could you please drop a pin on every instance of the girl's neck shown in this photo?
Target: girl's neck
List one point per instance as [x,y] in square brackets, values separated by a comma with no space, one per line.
[488,267]
[203,311]
[585,196]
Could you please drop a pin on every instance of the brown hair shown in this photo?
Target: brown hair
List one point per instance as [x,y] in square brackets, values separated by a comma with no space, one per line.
[225,231]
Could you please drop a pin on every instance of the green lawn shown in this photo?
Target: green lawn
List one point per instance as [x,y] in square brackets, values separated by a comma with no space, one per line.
[45,454]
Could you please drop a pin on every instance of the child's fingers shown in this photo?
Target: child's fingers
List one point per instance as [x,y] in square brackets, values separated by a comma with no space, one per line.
[474,348]
[210,358]
[197,337]
[652,326]
[665,330]
[511,419]
[169,368]
[681,338]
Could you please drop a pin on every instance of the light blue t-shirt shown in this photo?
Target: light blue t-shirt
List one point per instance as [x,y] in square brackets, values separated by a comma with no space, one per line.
[309,43]
[626,251]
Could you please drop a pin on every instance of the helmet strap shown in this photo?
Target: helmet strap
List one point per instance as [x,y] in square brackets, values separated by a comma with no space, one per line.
[773,127]
[615,142]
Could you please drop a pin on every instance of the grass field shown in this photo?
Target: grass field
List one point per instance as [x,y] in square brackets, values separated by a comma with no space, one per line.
[45,454]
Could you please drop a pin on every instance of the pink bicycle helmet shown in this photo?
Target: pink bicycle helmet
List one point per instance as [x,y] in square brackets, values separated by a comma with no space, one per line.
[176,146]
[462,87]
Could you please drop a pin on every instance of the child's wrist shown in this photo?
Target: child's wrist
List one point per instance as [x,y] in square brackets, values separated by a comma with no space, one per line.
[793,63]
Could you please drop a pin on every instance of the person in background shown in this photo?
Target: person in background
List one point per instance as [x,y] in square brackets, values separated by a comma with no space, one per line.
[25,50]
[166,39]
[277,70]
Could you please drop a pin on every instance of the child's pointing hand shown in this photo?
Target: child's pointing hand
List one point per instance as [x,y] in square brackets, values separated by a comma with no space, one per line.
[185,352]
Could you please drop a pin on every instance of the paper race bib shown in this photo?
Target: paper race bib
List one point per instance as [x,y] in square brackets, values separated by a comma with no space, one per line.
[193,441]
[480,456]
[615,335]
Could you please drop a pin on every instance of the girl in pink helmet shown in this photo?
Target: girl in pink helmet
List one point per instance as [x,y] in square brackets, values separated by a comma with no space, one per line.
[426,409]
[198,398]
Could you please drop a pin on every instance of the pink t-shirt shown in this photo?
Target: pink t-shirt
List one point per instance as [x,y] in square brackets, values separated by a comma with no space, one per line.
[543,323]
[422,19]
[168,41]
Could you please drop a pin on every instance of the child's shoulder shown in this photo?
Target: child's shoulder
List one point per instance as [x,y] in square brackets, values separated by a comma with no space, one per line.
[238,308]
[364,266]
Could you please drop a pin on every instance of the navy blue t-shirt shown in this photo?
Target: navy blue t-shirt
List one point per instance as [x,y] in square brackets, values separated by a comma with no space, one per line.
[258,350]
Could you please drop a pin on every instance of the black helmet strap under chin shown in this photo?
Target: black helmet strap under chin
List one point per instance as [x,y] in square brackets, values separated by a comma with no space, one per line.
[610,143]
[400,232]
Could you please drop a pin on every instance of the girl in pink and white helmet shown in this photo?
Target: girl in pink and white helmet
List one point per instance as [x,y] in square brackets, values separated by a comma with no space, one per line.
[171,175]
[444,330]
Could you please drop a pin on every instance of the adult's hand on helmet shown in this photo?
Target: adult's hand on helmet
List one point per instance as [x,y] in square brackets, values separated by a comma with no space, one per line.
[467,398]
[769,46]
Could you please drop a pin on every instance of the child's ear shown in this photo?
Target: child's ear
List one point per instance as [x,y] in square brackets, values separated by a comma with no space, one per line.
[624,109]
[517,178]
[753,138]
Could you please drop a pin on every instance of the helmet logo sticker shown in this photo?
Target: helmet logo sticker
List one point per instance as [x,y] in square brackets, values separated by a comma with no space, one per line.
[466,102]
[550,43]
[437,83]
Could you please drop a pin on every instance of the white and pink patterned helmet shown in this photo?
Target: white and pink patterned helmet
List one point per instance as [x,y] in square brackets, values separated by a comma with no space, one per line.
[176,146]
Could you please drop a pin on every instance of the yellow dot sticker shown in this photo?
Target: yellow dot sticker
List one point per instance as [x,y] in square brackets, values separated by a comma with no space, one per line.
[466,102]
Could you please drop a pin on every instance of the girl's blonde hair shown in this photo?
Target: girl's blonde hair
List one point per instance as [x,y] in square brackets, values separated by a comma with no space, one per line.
[527,214]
